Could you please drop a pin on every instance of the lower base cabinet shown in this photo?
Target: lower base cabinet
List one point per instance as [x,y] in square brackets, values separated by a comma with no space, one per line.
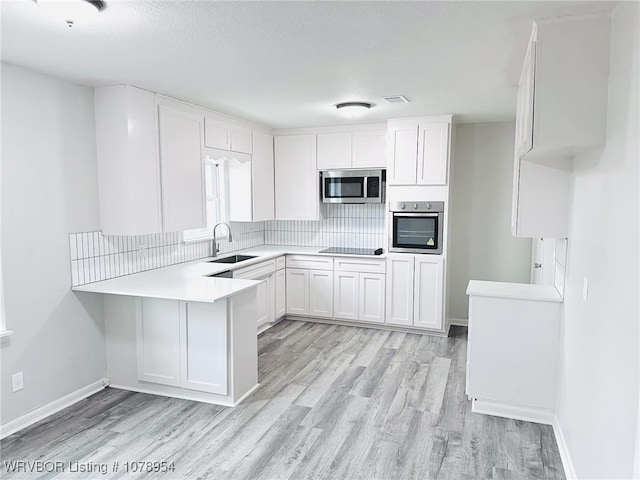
[359,296]
[415,291]
[281,293]
[182,344]
[309,292]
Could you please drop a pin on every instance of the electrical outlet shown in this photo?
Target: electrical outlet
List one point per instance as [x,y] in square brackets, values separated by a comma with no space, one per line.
[17,381]
[142,251]
[585,288]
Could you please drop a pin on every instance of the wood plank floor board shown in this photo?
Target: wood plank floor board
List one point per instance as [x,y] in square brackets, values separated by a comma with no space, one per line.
[334,402]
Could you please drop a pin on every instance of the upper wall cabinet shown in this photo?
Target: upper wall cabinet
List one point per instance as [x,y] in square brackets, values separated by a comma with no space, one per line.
[296,178]
[228,137]
[561,111]
[357,149]
[418,151]
[562,95]
[138,136]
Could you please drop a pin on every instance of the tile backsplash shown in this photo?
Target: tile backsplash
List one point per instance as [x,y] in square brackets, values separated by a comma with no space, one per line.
[356,225]
[96,257]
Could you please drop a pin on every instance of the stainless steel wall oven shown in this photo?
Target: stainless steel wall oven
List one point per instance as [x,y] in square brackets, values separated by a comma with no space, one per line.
[416,227]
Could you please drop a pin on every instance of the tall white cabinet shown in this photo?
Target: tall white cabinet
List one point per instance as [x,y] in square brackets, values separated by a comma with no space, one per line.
[296,178]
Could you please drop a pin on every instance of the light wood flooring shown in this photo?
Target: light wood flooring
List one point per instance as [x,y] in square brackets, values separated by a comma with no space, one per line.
[335,402]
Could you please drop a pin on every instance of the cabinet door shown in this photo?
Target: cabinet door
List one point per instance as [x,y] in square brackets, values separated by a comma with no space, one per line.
[369,150]
[216,134]
[402,145]
[428,292]
[240,140]
[182,170]
[203,346]
[297,180]
[433,154]
[297,291]
[158,340]
[321,293]
[239,194]
[371,297]
[281,294]
[263,301]
[262,174]
[334,151]
[345,294]
[525,102]
[400,289]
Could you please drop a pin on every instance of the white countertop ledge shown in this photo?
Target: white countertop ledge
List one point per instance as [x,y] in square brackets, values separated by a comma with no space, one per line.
[519,291]
[188,281]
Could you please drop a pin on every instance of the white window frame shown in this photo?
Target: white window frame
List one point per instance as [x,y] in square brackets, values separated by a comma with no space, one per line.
[216,198]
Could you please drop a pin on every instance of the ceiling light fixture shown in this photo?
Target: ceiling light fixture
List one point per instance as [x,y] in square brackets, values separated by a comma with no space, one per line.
[353,109]
[72,11]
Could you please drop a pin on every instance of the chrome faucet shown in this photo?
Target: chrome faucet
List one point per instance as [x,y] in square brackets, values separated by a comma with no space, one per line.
[215,246]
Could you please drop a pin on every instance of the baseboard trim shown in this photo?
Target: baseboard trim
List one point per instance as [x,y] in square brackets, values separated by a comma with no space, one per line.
[40,413]
[380,326]
[517,412]
[567,464]
[460,322]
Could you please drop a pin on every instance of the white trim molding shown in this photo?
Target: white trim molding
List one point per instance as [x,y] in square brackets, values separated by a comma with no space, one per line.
[460,322]
[567,464]
[517,412]
[38,414]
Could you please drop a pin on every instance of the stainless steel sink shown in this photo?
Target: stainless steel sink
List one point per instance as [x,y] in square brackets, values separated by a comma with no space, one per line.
[232,259]
[225,274]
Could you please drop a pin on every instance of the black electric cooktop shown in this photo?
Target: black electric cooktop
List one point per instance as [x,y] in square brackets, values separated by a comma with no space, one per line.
[353,251]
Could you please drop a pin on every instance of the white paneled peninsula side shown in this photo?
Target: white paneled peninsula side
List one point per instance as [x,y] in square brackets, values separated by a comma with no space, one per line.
[174,331]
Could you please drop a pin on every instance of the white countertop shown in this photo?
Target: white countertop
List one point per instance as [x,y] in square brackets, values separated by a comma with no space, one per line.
[520,291]
[188,281]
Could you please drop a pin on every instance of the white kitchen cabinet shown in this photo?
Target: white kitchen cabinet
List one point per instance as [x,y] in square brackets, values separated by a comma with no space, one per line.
[224,136]
[262,177]
[368,149]
[297,284]
[334,151]
[372,297]
[150,170]
[265,300]
[561,111]
[320,293]
[158,341]
[414,293]
[128,166]
[182,169]
[281,293]
[346,295]
[418,151]
[428,284]
[433,153]
[399,292]
[358,149]
[296,178]
[182,344]
[359,296]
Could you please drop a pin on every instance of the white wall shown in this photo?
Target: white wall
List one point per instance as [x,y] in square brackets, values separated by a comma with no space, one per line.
[598,392]
[481,246]
[49,188]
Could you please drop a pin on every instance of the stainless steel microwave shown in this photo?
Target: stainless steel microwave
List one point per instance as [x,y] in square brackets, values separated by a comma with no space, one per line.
[353,186]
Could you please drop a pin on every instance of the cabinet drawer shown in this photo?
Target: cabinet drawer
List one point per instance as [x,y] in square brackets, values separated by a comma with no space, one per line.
[256,271]
[364,265]
[310,262]
[280,263]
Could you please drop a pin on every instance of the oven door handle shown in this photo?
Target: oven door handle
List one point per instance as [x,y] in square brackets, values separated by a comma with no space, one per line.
[428,215]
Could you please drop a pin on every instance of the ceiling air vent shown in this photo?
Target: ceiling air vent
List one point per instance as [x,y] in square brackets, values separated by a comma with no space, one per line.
[396,99]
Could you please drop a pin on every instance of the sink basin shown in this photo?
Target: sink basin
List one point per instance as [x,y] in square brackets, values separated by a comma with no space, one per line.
[232,259]
[225,274]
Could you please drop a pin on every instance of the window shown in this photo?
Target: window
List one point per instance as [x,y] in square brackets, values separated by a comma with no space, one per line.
[216,186]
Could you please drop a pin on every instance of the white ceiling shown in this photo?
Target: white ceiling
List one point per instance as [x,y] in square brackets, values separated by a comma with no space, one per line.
[286,64]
